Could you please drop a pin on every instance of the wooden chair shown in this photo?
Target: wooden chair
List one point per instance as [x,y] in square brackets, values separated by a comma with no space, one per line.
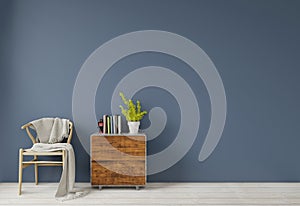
[35,161]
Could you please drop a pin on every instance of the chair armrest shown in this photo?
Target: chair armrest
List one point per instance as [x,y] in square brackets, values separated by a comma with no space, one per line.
[26,125]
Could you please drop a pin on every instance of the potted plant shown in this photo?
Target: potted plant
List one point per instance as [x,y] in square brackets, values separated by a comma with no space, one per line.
[133,114]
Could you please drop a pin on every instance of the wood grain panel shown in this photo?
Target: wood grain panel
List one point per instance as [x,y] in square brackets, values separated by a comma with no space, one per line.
[118,160]
[120,141]
[117,155]
[104,176]
[130,168]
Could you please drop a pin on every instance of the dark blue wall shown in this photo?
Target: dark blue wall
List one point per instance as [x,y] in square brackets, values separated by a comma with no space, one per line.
[254,45]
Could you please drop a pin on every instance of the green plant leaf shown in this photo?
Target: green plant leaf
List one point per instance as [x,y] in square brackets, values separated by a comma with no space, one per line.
[133,112]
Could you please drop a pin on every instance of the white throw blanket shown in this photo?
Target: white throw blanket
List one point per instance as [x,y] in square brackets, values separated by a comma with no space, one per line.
[65,190]
[51,130]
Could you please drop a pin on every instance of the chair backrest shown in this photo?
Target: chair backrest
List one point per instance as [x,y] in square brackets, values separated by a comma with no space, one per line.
[33,139]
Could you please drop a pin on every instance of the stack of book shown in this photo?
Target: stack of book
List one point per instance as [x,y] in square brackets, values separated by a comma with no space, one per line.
[111,124]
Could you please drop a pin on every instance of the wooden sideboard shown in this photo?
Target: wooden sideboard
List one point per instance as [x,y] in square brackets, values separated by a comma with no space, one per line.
[118,160]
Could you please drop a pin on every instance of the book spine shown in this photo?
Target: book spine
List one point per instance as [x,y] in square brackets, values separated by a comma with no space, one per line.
[119,124]
[111,124]
[104,124]
[108,125]
[115,124]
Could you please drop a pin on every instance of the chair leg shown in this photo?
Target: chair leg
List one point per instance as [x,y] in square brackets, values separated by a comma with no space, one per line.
[36,171]
[20,169]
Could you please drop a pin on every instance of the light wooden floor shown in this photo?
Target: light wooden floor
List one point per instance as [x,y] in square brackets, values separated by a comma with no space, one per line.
[160,194]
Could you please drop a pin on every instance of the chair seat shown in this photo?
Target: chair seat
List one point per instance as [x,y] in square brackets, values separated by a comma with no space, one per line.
[30,152]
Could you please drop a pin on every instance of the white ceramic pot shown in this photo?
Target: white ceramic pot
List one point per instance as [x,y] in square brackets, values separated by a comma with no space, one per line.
[133,127]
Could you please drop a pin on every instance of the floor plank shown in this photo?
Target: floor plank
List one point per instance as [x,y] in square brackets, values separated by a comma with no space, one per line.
[160,194]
